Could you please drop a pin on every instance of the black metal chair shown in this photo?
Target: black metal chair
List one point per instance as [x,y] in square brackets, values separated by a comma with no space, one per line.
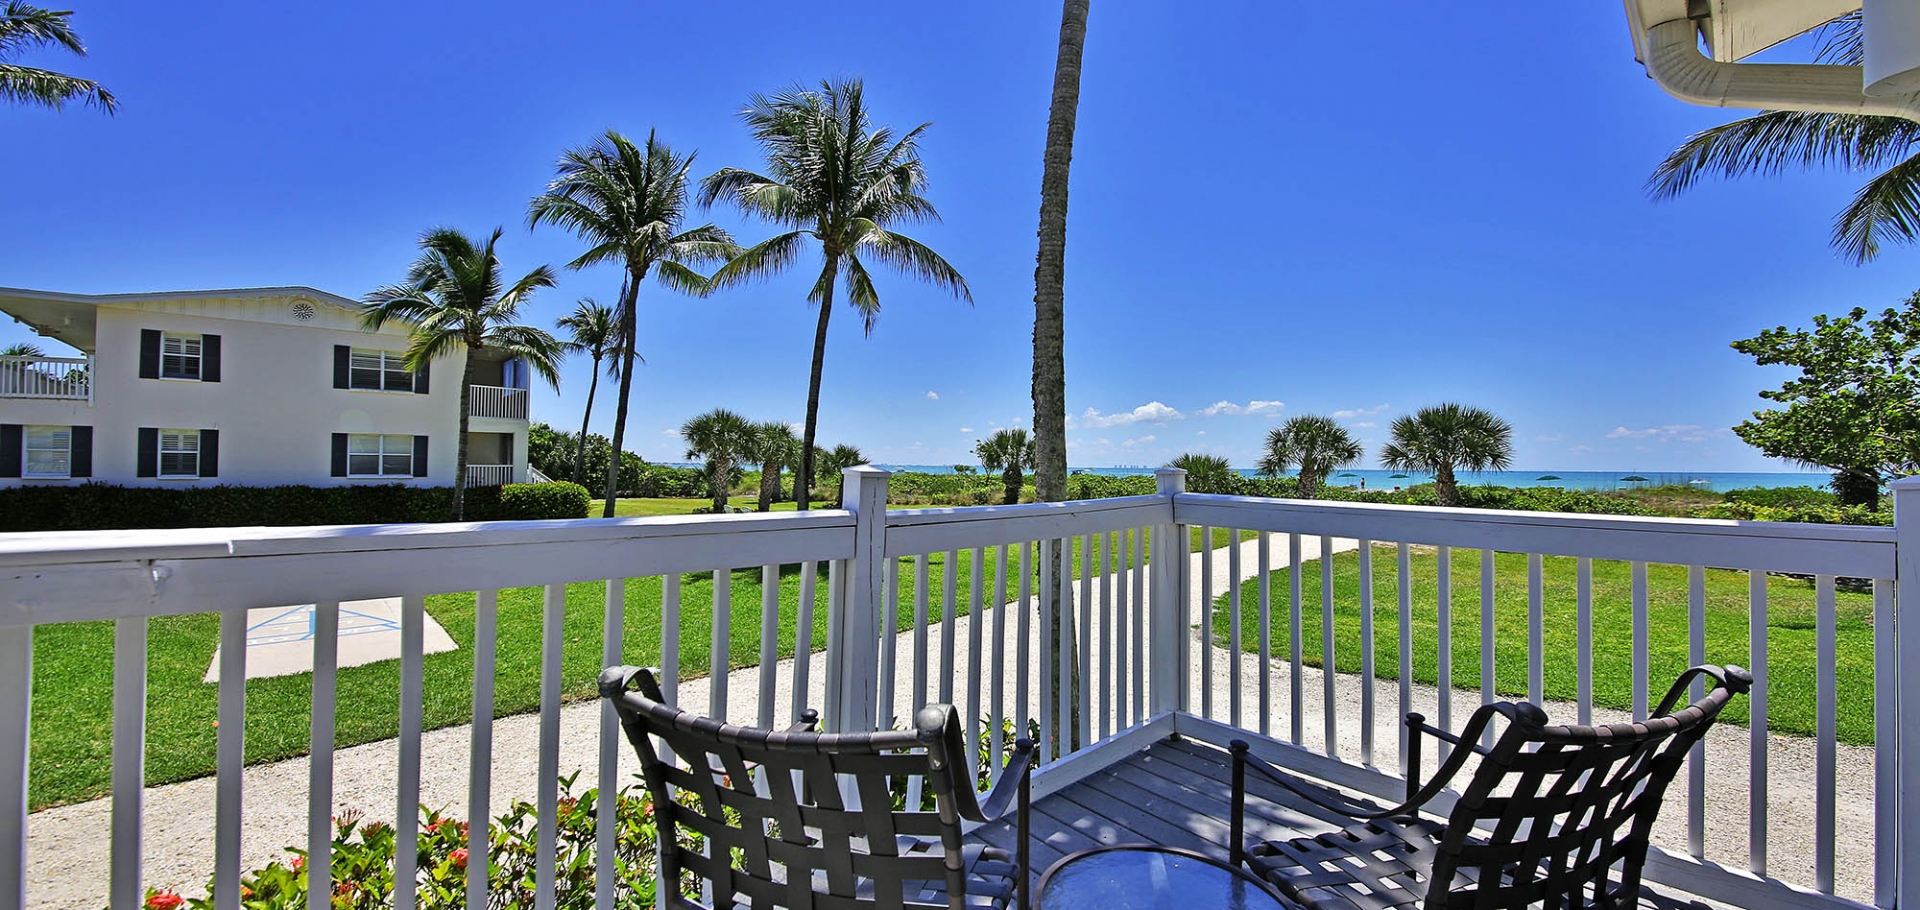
[1557,808]
[774,827]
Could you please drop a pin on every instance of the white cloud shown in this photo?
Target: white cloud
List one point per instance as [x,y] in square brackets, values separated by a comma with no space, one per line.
[966,429]
[1346,413]
[1201,433]
[1151,412]
[1257,407]
[1580,448]
[1365,423]
[1672,432]
[933,395]
[1135,443]
[670,433]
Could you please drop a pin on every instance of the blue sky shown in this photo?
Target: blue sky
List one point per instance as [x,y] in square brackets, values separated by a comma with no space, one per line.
[1271,214]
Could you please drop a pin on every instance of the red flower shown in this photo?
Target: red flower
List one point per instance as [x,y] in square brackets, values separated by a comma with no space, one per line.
[459,858]
[164,900]
[299,863]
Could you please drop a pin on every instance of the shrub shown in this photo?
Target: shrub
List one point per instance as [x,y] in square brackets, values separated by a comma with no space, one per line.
[658,480]
[541,500]
[99,506]
[1783,497]
[1107,486]
[1829,514]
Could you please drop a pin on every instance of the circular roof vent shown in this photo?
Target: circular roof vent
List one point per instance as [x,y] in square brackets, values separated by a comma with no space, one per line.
[303,311]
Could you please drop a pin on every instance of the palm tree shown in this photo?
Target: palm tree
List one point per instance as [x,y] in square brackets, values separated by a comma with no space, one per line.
[23,28]
[594,330]
[1445,437]
[830,463]
[721,437]
[836,178]
[627,203]
[1205,473]
[454,298]
[22,349]
[1009,452]
[1319,445]
[1050,268]
[774,447]
[1884,209]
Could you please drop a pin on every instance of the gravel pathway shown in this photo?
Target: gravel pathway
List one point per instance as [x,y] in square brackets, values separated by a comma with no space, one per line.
[68,845]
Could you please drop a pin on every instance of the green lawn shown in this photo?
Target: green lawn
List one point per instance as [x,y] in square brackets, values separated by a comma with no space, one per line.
[72,723]
[1790,637]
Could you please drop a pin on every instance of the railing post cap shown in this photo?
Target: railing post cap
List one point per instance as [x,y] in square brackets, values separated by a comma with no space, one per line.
[1170,480]
[1905,483]
[866,471]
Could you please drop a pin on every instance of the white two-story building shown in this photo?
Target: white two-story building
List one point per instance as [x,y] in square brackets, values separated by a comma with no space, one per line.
[254,387]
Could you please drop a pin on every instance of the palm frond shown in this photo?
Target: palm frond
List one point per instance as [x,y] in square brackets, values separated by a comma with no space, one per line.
[1772,142]
[764,259]
[51,90]
[1887,208]
[914,258]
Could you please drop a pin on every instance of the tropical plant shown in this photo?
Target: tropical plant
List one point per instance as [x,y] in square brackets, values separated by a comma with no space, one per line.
[833,177]
[1205,473]
[1317,445]
[594,330]
[455,300]
[1886,208]
[24,27]
[831,462]
[22,349]
[720,437]
[774,448]
[627,202]
[1446,437]
[1010,452]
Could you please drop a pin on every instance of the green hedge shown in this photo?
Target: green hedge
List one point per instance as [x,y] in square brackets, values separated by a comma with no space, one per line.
[99,506]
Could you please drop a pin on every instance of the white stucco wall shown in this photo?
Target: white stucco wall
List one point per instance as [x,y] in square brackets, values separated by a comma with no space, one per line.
[275,406]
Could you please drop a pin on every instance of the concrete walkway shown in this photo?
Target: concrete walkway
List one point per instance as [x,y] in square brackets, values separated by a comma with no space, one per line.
[68,846]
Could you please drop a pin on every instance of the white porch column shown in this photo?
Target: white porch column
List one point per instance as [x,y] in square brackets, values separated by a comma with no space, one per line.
[853,628]
[1168,682]
[1906,565]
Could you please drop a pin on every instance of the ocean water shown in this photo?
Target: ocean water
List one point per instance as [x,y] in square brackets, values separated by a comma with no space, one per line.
[1716,481]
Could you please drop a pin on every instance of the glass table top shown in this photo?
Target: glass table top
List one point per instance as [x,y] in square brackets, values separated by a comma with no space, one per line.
[1142,877]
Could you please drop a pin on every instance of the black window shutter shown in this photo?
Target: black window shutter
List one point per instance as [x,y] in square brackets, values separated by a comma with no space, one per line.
[209,358]
[339,454]
[80,457]
[12,449]
[147,458]
[342,364]
[209,453]
[149,353]
[419,456]
[420,378]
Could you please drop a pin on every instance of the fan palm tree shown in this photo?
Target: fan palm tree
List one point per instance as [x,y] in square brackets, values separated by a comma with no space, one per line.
[1885,209]
[455,299]
[24,27]
[1205,473]
[774,448]
[22,349]
[1050,268]
[722,438]
[831,462]
[1440,439]
[1318,445]
[594,330]
[627,202]
[835,178]
[1010,452]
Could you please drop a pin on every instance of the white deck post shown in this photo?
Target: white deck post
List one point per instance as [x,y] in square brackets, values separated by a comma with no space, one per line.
[1906,526]
[853,657]
[1169,618]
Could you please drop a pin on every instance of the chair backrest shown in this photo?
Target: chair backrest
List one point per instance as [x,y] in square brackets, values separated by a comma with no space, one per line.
[768,819]
[1558,806]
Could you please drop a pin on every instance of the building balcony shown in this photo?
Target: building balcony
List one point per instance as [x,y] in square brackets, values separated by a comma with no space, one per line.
[497,401]
[1184,621]
[57,378]
[489,475]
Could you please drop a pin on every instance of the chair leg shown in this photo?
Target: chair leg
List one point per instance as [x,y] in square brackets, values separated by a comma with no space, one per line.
[1236,845]
[1023,853]
[1413,754]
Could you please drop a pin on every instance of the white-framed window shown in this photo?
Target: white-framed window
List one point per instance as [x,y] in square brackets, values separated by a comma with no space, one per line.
[49,452]
[379,455]
[179,356]
[381,371]
[179,453]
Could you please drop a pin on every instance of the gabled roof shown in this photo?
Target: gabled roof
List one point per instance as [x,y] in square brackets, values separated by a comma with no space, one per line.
[69,318]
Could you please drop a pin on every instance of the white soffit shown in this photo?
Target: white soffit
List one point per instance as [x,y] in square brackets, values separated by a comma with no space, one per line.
[1741,28]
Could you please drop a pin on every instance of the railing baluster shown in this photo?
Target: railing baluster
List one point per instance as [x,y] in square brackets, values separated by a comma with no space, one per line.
[1404,567]
[229,756]
[1826,699]
[1757,724]
[1583,583]
[1263,588]
[999,678]
[606,825]
[1443,652]
[1235,662]
[1123,567]
[16,727]
[1088,565]
[949,616]
[1641,668]
[1064,656]
[1886,729]
[1048,734]
[1139,614]
[918,696]
[1697,759]
[976,575]
[1107,557]
[1023,659]
[1328,705]
[803,637]
[1366,652]
[129,758]
[1536,632]
[889,647]
[326,662]
[406,822]
[769,641]
[1489,684]
[720,645]
[1206,621]
[486,609]
[1294,629]
[547,786]
[670,639]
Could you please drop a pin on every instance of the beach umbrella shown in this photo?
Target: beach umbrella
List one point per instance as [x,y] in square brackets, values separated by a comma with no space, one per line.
[1549,477]
[1397,477]
[1633,478]
[1347,474]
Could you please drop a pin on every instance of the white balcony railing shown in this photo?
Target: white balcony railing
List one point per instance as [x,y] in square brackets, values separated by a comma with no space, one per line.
[63,378]
[489,475]
[1129,664]
[497,401]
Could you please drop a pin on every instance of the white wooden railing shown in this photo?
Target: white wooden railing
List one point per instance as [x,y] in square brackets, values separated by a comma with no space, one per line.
[489,475]
[65,378]
[1129,666]
[497,401]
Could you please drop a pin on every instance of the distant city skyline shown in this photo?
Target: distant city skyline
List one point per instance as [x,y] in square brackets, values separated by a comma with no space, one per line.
[1257,231]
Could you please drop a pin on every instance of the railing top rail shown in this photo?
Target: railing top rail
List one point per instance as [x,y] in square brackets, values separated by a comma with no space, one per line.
[28,358]
[904,518]
[915,531]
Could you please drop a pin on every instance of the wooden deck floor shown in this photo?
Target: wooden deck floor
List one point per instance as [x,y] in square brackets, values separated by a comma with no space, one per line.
[1178,792]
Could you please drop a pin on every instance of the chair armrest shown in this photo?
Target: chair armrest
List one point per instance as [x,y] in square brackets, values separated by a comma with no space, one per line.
[1445,737]
[1013,778]
[809,722]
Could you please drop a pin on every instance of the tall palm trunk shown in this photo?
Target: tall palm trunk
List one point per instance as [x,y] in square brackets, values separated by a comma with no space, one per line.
[802,487]
[1010,483]
[1445,488]
[769,485]
[627,347]
[1049,298]
[717,482]
[580,450]
[460,443]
